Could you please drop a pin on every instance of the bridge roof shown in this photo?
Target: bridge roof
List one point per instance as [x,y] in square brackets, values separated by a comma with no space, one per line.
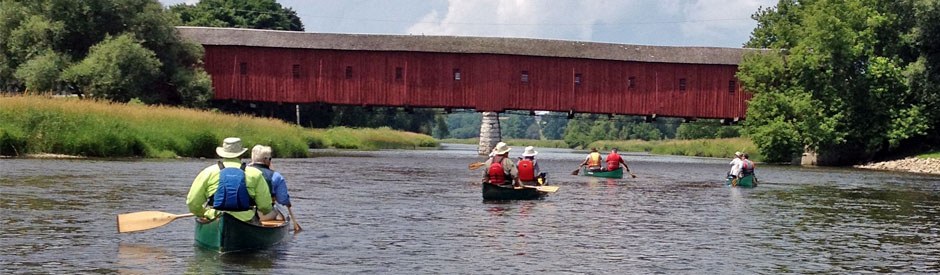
[463,44]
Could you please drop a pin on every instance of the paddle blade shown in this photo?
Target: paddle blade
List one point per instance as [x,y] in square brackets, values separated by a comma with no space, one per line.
[546,189]
[475,165]
[632,175]
[575,172]
[144,220]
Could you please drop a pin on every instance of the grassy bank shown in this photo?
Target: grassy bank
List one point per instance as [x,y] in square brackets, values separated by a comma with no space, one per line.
[368,139]
[718,148]
[43,125]
[931,155]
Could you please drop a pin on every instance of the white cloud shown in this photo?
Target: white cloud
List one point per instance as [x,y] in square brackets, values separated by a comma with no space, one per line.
[707,22]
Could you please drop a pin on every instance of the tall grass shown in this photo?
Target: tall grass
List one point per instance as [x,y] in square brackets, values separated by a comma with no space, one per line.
[719,148]
[368,139]
[34,124]
[513,142]
[930,155]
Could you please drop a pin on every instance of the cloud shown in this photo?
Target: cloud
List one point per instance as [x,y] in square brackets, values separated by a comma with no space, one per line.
[674,21]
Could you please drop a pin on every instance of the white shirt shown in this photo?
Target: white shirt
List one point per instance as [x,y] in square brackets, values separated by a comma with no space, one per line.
[736,166]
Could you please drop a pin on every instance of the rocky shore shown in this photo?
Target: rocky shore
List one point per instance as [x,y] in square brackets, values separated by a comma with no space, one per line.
[914,165]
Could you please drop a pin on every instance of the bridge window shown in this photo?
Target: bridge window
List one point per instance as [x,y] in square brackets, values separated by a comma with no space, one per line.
[399,73]
[525,76]
[682,84]
[348,72]
[296,70]
[577,79]
[731,86]
[631,82]
[243,68]
[456,74]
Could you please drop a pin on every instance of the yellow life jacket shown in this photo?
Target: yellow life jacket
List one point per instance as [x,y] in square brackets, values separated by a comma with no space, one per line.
[594,159]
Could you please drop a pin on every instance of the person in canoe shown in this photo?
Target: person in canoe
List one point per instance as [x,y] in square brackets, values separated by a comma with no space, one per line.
[736,166]
[500,170]
[229,186]
[592,161]
[614,161]
[747,166]
[261,157]
[529,172]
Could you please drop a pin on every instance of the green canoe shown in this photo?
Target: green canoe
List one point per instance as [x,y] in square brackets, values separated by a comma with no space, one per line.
[227,233]
[746,182]
[493,192]
[615,174]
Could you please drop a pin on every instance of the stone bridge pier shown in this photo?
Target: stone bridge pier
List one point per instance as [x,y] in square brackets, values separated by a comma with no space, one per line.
[489,133]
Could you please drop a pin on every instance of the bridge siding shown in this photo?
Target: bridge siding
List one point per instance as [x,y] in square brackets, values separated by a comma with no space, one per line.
[489,82]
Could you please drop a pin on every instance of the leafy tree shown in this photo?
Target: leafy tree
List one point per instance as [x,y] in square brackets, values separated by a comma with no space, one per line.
[554,126]
[252,14]
[440,127]
[39,34]
[117,69]
[835,81]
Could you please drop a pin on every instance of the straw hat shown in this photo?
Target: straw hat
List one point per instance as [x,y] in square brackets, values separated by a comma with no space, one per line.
[231,148]
[530,152]
[737,154]
[501,148]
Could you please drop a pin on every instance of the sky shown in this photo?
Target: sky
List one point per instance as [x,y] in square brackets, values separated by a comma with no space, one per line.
[710,23]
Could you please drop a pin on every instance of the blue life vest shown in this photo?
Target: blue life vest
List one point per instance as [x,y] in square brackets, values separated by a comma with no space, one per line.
[268,175]
[232,193]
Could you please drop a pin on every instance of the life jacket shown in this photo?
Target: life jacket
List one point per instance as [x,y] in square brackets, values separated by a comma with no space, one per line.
[594,159]
[613,161]
[497,174]
[526,169]
[232,192]
[747,167]
[268,175]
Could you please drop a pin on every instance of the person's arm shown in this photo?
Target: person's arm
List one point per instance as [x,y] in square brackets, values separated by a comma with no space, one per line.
[513,171]
[196,199]
[486,169]
[279,183]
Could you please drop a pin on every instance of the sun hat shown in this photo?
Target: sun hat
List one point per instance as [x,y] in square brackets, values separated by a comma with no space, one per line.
[530,152]
[737,154]
[501,148]
[231,148]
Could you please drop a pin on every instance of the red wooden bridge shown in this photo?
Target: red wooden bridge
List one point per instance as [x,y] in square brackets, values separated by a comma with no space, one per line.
[485,74]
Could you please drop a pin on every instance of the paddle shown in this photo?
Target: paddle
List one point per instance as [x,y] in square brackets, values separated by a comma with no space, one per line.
[475,166]
[296,224]
[144,220]
[576,171]
[546,189]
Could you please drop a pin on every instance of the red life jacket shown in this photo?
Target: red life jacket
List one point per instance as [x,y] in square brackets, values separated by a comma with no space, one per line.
[613,161]
[497,174]
[526,170]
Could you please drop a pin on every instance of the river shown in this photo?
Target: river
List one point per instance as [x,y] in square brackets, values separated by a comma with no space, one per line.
[421,212]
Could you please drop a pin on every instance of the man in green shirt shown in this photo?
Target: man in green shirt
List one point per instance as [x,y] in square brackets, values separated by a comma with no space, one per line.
[206,183]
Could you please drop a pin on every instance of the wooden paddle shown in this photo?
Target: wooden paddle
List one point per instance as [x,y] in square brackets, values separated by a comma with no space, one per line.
[297,227]
[576,171]
[144,220]
[546,189]
[475,166]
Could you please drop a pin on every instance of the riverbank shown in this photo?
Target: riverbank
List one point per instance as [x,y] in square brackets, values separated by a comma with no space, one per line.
[912,164]
[40,127]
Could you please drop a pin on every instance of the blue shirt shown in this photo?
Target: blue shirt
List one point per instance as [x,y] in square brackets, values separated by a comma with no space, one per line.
[276,182]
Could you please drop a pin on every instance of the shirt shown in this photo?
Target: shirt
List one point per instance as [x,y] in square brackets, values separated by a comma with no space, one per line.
[207,182]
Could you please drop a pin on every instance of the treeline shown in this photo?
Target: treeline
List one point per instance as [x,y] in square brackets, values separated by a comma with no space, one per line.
[583,129]
[849,79]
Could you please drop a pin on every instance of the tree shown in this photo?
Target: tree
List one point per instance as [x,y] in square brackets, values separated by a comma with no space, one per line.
[440,127]
[251,14]
[45,33]
[117,69]
[834,82]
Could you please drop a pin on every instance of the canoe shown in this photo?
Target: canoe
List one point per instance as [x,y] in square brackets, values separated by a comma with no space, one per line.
[746,182]
[493,192]
[227,233]
[615,174]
